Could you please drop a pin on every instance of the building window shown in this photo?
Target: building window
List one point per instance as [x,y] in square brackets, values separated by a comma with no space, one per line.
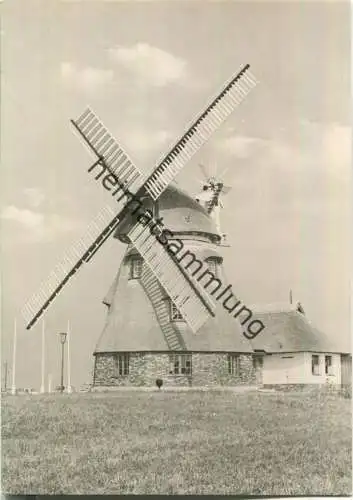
[315,364]
[135,268]
[328,365]
[180,364]
[175,314]
[233,364]
[122,364]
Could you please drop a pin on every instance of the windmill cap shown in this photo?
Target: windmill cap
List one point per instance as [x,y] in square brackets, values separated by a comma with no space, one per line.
[180,212]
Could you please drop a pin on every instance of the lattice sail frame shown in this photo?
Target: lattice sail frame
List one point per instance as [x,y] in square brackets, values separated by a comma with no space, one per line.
[112,155]
[174,279]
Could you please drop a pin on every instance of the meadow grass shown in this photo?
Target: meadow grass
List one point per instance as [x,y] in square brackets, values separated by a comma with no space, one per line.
[176,443]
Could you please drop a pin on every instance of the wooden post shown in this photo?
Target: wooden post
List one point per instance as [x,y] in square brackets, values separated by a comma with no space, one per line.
[13,388]
[69,388]
[5,376]
[42,387]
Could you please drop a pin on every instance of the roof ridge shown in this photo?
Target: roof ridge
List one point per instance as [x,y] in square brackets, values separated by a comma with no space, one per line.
[273,307]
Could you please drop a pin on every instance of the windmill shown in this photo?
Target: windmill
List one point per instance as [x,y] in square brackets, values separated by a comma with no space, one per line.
[187,294]
[212,188]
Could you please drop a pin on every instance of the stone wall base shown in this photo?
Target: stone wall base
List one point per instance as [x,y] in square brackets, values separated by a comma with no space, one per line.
[209,369]
[170,388]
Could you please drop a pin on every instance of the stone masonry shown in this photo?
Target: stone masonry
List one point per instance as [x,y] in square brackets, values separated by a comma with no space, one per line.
[208,369]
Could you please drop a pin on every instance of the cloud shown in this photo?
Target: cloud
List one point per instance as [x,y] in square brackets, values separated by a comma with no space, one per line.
[309,148]
[239,146]
[144,145]
[36,225]
[27,218]
[302,176]
[87,79]
[144,141]
[316,152]
[34,196]
[151,65]
[334,143]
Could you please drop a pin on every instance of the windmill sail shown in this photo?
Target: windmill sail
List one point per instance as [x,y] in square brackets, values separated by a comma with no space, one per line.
[192,301]
[107,149]
[200,131]
[80,253]
[111,155]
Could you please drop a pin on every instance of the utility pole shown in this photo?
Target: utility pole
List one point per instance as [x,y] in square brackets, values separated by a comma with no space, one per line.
[62,341]
[42,387]
[69,388]
[13,388]
[5,376]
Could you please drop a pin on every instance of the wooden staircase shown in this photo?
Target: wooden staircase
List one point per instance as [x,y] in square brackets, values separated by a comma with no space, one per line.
[156,294]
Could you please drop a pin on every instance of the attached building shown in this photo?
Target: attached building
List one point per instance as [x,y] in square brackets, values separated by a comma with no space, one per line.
[296,353]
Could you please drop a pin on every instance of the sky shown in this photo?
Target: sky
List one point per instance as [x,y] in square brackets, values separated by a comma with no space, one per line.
[147,68]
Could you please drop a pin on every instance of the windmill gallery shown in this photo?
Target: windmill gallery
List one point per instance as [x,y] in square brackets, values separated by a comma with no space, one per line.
[166,237]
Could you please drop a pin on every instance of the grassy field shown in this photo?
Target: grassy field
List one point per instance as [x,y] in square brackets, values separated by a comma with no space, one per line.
[176,443]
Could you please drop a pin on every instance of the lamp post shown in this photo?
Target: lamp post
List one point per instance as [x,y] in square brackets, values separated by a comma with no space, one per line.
[62,341]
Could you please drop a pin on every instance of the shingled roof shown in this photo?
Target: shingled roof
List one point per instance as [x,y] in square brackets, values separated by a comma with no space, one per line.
[288,330]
